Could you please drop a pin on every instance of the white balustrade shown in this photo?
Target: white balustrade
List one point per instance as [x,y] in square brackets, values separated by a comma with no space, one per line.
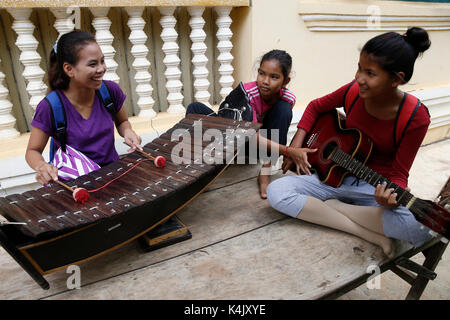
[171,60]
[105,39]
[202,59]
[199,59]
[224,46]
[141,64]
[29,57]
[7,121]
[64,20]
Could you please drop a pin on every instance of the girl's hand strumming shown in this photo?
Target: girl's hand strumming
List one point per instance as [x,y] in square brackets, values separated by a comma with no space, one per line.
[287,164]
[299,156]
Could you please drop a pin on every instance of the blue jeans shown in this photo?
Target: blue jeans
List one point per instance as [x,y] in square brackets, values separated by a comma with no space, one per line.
[288,195]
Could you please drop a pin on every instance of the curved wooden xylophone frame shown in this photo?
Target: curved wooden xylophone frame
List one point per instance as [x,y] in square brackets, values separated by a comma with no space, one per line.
[112,217]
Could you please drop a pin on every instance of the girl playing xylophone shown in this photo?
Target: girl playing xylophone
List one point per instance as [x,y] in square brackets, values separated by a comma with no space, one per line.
[76,74]
[272,105]
[386,61]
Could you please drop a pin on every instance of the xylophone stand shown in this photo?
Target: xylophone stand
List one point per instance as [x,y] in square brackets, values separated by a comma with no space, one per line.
[22,261]
[169,232]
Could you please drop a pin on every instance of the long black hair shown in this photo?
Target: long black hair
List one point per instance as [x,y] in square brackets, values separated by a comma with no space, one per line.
[67,49]
[397,53]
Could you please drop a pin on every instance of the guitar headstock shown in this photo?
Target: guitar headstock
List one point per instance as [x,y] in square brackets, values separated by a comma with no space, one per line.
[432,215]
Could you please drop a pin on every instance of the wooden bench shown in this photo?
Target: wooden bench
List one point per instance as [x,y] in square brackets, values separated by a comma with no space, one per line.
[241,248]
[417,275]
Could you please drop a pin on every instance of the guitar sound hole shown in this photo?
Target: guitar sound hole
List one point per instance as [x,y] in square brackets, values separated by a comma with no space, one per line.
[328,150]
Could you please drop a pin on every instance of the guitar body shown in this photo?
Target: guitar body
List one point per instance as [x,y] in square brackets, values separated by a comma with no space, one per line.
[341,151]
[328,133]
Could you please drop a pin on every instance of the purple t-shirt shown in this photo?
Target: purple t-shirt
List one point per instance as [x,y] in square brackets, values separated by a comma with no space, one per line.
[94,136]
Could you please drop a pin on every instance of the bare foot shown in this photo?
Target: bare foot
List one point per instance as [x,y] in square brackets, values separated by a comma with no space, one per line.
[263,182]
[388,248]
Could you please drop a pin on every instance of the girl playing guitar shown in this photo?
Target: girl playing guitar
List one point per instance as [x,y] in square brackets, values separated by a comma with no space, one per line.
[386,61]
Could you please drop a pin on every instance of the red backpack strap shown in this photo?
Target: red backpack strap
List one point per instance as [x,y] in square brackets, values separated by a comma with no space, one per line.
[406,111]
[351,96]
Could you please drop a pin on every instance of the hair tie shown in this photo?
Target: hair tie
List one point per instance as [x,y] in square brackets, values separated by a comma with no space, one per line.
[55,47]
[405,37]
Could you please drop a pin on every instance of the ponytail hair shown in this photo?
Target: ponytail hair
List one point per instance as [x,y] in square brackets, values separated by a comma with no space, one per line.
[397,53]
[66,50]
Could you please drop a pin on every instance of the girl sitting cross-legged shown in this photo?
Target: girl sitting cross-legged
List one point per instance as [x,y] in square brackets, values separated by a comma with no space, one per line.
[386,62]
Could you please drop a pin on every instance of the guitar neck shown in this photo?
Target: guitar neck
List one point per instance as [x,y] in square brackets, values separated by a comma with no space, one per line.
[361,171]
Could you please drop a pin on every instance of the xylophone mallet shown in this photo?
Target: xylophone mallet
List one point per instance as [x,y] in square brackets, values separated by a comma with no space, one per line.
[79,194]
[159,161]
[4,221]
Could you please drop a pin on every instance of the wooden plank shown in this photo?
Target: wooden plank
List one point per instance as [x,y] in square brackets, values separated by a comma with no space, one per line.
[245,267]
[239,244]
[207,227]
[235,174]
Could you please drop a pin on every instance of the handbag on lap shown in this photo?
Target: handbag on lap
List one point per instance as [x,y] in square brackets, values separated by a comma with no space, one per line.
[236,105]
[72,163]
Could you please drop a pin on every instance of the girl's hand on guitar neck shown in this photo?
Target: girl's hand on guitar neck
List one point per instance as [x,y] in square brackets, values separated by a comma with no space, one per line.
[299,156]
[386,197]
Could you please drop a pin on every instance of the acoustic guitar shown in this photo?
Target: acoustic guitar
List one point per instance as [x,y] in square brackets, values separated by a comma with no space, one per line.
[342,151]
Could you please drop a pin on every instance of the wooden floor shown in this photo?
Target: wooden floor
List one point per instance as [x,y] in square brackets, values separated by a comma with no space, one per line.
[240,249]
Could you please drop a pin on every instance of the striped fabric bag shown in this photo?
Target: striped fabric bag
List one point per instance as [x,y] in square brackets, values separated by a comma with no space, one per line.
[72,163]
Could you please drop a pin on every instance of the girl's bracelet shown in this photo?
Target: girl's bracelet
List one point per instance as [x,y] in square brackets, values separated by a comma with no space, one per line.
[287,153]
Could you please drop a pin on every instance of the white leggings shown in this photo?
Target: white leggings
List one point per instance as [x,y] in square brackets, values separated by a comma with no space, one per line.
[288,195]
